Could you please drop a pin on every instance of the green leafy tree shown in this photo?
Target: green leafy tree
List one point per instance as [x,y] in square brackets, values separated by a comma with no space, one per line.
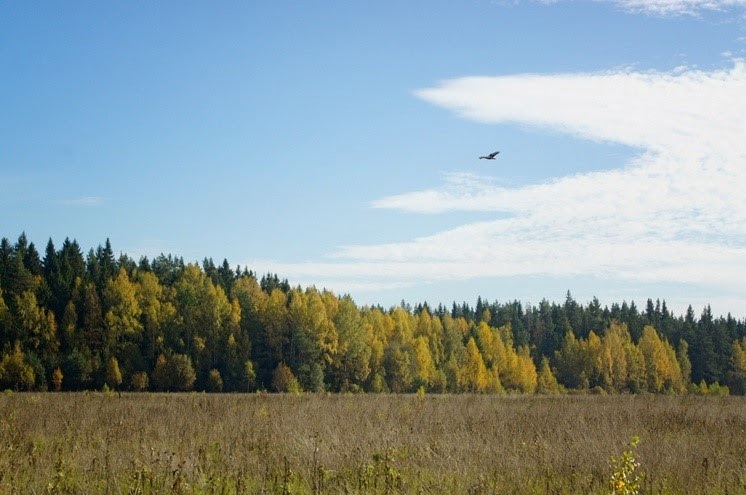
[682,356]
[5,319]
[571,362]
[736,378]
[70,334]
[93,319]
[174,373]
[181,373]
[78,368]
[398,368]
[313,337]
[208,318]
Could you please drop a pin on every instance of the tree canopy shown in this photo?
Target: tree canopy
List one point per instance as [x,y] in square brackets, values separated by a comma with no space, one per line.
[75,322]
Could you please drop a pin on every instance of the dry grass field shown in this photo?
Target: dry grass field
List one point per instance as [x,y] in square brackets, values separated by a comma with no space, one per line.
[93,443]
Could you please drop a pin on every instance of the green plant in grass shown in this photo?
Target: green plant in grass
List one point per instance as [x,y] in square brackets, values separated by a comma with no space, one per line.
[625,479]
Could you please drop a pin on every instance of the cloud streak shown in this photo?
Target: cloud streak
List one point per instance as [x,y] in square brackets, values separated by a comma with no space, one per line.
[673,214]
[675,211]
[678,7]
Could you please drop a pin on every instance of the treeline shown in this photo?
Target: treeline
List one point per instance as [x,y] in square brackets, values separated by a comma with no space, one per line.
[70,321]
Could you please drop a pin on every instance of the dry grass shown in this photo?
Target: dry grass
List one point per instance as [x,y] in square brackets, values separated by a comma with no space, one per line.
[197,443]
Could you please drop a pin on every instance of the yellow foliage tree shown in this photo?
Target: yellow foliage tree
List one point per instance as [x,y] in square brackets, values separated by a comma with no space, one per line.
[614,363]
[123,317]
[473,375]
[423,366]
[593,347]
[57,379]
[37,326]
[526,377]
[15,372]
[113,374]
[546,383]
[662,371]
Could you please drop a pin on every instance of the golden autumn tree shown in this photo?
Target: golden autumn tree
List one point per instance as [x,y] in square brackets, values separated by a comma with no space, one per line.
[739,355]
[113,374]
[473,375]
[614,363]
[283,380]
[525,377]
[15,372]
[662,371]
[736,379]
[313,336]
[122,319]
[275,330]
[157,312]
[36,326]
[123,328]
[593,349]
[351,366]
[546,383]
[378,329]
[423,368]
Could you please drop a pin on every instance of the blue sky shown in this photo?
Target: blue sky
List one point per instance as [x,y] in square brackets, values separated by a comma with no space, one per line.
[336,143]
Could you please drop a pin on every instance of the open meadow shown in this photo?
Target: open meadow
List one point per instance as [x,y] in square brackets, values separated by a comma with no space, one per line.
[232,444]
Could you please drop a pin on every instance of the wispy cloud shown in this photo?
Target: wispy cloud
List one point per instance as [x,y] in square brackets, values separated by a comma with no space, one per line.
[675,213]
[678,7]
[82,201]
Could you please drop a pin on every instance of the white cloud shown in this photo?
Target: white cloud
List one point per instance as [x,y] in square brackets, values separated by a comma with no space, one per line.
[645,110]
[677,7]
[674,214]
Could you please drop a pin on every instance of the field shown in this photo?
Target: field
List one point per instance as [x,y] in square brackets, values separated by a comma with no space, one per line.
[228,444]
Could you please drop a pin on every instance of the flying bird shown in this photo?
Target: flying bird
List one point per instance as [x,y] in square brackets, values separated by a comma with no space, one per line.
[491,156]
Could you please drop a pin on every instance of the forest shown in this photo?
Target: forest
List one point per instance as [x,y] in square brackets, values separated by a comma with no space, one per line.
[73,321]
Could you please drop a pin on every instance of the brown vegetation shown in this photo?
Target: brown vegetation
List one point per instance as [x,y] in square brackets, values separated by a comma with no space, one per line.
[262,443]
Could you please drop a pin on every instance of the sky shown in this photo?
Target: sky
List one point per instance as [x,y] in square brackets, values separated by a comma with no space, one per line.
[336,143]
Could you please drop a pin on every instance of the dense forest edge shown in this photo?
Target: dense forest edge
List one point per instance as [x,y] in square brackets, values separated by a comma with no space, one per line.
[70,321]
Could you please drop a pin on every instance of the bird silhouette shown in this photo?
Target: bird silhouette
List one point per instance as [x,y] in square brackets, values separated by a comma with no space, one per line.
[491,156]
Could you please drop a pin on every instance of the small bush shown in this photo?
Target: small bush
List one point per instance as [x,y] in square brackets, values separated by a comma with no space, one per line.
[625,480]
